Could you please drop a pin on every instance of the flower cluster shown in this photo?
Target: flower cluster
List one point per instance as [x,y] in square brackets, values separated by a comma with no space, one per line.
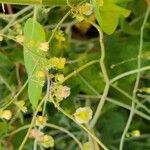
[59,35]
[57,63]
[85,9]
[46,141]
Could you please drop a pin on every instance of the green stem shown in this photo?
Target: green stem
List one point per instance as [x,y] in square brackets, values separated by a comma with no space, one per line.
[136,83]
[58,25]
[15,17]
[129,73]
[82,126]
[22,88]
[39,2]
[140,105]
[66,131]
[6,84]
[105,77]
[31,124]
[80,69]
[51,126]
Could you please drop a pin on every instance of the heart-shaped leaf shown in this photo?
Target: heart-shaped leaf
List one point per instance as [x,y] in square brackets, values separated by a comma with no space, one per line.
[108,15]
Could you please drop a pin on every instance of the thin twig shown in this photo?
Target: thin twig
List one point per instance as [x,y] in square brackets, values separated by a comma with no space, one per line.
[136,83]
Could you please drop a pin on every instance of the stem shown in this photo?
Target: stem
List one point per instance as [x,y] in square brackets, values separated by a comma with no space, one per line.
[136,83]
[22,88]
[105,77]
[51,126]
[58,25]
[6,84]
[80,69]
[31,125]
[66,131]
[128,96]
[14,18]
[118,103]
[128,73]
[47,95]
[83,127]
[35,145]
[43,2]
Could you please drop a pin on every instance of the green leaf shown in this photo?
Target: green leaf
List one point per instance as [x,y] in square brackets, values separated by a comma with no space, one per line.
[108,15]
[34,57]
[120,1]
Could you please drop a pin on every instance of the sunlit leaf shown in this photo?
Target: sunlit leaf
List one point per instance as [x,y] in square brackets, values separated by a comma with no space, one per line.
[34,35]
[108,15]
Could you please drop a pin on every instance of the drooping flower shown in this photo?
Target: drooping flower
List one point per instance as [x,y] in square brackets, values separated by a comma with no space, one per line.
[1,38]
[41,121]
[83,115]
[62,92]
[21,105]
[44,46]
[36,134]
[47,141]
[5,114]
[135,133]
[59,35]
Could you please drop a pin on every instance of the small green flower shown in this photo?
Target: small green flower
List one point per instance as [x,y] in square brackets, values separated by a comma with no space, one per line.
[1,38]
[21,105]
[59,35]
[59,77]
[5,114]
[41,121]
[83,115]
[86,146]
[57,63]
[47,141]
[135,133]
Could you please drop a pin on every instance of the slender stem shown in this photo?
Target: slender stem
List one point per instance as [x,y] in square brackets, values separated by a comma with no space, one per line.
[128,73]
[47,95]
[7,85]
[83,127]
[128,96]
[80,69]
[22,88]
[51,126]
[66,131]
[35,145]
[136,83]
[105,77]
[31,124]
[141,114]
[58,25]
[14,18]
